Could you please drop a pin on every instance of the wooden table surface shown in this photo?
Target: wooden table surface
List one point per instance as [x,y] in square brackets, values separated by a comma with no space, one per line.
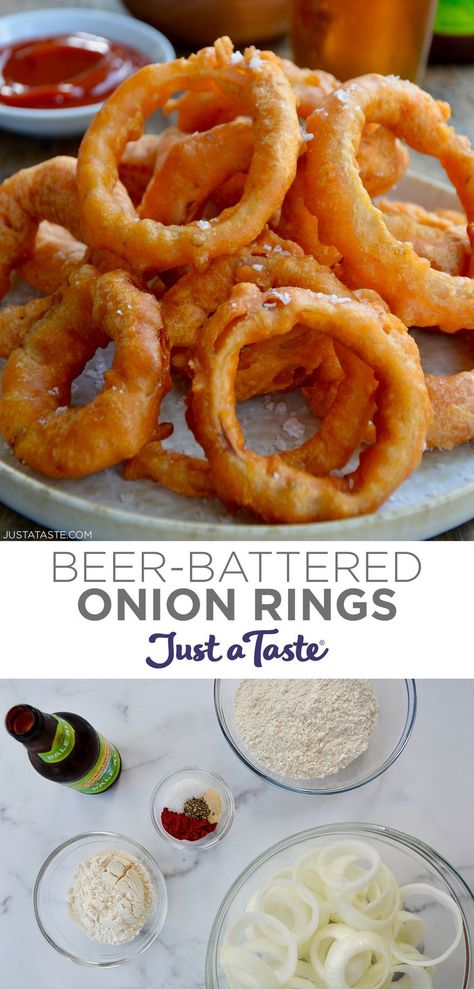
[453,83]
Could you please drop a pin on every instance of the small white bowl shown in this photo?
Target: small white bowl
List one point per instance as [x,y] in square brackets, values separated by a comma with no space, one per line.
[72,121]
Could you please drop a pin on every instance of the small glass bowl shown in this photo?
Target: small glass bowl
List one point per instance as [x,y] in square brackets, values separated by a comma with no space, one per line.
[409,859]
[178,787]
[397,704]
[50,901]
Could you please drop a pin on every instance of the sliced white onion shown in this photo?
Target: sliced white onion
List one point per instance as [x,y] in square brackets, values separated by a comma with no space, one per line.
[360,915]
[271,929]
[306,871]
[297,983]
[424,889]
[334,861]
[336,920]
[347,950]
[284,897]
[304,970]
[242,968]
[409,928]
[412,978]
[322,944]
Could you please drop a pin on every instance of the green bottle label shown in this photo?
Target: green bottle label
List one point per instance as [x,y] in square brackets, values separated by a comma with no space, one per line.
[104,771]
[63,742]
[455,17]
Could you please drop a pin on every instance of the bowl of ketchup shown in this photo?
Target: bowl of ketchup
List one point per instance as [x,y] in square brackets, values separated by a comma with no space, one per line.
[58,66]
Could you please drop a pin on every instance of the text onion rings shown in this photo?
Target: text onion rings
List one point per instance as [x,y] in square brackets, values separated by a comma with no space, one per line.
[269,101]
[275,491]
[36,384]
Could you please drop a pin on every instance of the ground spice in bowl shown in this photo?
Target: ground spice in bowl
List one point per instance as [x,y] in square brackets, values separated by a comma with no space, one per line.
[184,827]
[199,817]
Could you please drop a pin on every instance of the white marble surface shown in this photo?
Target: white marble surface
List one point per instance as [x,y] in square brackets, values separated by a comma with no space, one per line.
[164,726]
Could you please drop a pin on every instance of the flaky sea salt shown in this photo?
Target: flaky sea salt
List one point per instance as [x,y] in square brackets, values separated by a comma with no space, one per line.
[283,297]
[293,427]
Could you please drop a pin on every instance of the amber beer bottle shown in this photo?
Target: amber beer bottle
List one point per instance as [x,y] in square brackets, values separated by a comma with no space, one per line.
[65,748]
[352,37]
[453,39]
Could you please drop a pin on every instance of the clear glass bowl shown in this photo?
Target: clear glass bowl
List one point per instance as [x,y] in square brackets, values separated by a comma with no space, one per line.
[410,860]
[189,782]
[50,900]
[397,702]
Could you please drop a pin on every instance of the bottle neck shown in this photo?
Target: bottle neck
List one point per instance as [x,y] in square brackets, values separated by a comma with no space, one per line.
[31,727]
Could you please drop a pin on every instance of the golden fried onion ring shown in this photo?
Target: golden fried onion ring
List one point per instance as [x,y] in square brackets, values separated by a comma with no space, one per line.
[415,291]
[269,101]
[44,192]
[36,386]
[275,491]
[440,238]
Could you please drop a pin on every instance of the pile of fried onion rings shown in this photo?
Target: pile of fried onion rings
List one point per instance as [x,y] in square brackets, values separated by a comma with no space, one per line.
[242,251]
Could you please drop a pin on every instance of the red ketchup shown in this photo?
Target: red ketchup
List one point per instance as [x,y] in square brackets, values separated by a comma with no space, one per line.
[65,71]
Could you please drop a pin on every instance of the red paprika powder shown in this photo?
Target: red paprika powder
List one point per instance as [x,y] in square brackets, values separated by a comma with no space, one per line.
[185,828]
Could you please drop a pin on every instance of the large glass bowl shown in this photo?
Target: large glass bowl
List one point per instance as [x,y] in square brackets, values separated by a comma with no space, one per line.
[50,900]
[410,860]
[397,702]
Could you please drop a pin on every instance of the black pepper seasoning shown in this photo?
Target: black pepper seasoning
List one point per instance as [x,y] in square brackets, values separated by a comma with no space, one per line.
[196,807]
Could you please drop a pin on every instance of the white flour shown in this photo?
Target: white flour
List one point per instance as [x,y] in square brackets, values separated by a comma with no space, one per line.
[306,728]
[111,897]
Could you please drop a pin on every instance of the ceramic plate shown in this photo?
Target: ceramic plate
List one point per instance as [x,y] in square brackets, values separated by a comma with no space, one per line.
[437,496]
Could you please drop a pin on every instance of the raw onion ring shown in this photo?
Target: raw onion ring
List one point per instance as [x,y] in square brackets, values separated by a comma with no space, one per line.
[416,889]
[320,947]
[343,952]
[273,928]
[270,896]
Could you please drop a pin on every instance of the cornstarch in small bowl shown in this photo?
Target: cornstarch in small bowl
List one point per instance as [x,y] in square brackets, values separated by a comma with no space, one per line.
[111,897]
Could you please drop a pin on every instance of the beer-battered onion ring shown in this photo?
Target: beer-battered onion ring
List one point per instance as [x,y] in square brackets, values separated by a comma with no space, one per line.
[452,400]
[137,165]
[16,321]
[269,101]
[56,254]
[274,490]
[193,168]
[199,111]
[35,419]
[433,235]
[47,191]
[342,429]
[347,218]
[44,192]
[296,223]
[270,262]
[381,161]
[179,472]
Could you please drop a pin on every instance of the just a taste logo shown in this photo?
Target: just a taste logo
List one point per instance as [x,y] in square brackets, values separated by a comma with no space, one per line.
[260,646]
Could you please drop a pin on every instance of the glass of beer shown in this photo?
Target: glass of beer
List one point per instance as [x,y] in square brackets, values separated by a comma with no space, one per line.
[352,37]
